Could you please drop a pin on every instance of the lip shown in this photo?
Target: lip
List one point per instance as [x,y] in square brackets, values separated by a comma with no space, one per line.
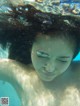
[48,76]
[47,73]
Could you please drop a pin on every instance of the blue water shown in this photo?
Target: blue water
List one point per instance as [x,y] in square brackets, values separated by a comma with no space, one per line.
[77,58]
[70,1]
[6,90]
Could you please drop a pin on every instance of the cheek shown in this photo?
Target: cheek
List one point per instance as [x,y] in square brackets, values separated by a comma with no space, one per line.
[37,62]
[63,67]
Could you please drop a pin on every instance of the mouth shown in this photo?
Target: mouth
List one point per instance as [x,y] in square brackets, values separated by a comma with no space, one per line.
[47,76]
[48,73]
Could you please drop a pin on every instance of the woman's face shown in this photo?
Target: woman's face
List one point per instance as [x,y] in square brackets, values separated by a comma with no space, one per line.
[51,56]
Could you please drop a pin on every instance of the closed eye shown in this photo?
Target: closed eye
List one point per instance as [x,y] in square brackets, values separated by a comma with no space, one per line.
[42,54]
[63,61]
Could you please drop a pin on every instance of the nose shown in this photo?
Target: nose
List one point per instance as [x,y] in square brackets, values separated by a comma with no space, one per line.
[49,67]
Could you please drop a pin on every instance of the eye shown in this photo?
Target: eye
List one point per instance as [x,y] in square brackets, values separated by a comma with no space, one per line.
[64,61]
[42,54]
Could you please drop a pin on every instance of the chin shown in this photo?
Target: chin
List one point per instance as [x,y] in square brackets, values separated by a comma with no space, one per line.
[48,79]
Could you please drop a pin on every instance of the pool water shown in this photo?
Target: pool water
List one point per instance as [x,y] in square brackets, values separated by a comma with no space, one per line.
[6,90]
[77,58]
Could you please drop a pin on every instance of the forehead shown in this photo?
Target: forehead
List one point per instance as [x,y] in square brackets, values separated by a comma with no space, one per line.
[48,39]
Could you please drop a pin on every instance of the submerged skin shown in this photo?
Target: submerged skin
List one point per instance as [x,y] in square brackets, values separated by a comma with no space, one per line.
[56,85]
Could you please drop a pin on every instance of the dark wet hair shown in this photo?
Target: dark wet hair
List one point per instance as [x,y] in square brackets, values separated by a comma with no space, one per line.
[22,37]
[22,41]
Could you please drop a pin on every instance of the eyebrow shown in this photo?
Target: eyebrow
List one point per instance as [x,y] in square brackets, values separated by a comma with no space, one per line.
[64,57]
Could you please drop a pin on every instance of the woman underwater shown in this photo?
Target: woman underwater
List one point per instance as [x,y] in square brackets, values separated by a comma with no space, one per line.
[52,78]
